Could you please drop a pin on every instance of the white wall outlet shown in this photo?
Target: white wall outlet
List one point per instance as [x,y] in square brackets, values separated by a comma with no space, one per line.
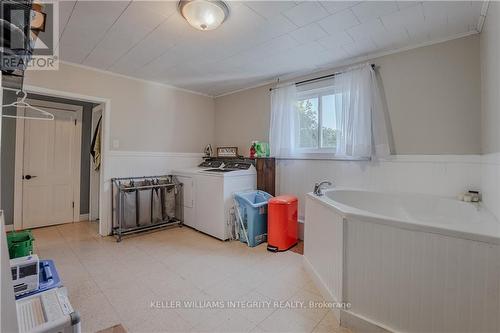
[116,144]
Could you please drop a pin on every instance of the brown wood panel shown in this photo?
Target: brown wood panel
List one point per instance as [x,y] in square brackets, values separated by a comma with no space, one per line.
[266,174]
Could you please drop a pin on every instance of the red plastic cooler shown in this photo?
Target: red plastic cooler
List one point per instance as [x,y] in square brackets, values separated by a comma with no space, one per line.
[282,224]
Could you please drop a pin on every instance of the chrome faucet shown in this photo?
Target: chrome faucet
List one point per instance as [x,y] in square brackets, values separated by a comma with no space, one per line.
[319,186]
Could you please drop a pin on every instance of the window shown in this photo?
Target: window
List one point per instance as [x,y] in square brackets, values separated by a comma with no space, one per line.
[338,118]
[317,129]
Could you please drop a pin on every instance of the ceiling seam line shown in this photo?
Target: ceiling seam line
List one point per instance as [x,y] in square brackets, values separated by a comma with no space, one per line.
[106,32]
[135,45]
[66,24]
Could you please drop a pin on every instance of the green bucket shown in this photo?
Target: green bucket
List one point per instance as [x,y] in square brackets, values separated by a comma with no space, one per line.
[20,243]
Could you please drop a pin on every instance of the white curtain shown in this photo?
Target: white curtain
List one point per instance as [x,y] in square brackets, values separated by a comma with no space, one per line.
[380,128]
[360,120]
[283,120]
[359,115]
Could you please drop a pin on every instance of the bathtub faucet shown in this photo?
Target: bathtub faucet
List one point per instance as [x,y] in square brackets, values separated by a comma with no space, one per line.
[319,186]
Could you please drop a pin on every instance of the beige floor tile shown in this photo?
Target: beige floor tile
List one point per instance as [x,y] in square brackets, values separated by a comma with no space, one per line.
[258,329]
[310,302]
[96,312]
[157,321]
[195,316]
[228,289]
[82,289]
[287,321]
[111,283]
[258,308]
[201,273]
[330,324]
[277,290]
[225,320]
[131,305]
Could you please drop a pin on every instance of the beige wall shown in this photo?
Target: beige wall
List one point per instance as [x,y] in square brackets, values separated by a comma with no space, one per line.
[490,74]
[242,118]
[490,88]
[433,96]
[144,116]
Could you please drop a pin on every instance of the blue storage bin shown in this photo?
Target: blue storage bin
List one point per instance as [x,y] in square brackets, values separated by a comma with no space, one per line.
[48,277]
[252,208]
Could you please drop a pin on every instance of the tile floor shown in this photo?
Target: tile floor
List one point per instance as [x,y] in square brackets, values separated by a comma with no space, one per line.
[113,283]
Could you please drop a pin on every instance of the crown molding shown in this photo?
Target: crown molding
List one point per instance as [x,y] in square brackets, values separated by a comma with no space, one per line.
[336,65]
[102,71]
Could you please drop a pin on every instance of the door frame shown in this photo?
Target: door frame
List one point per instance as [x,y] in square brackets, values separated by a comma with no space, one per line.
[105,225]
[19,159]
[94,189]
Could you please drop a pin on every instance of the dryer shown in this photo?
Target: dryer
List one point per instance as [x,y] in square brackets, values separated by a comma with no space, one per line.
[208,193]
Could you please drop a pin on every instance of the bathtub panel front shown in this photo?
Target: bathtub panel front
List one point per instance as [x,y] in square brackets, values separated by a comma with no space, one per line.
[323,246]
[413,281]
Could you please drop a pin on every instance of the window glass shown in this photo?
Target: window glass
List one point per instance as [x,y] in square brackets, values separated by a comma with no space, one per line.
[308,122]
[317,121]
[328,122]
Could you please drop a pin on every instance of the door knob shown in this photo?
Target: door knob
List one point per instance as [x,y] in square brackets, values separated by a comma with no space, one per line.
[28,177]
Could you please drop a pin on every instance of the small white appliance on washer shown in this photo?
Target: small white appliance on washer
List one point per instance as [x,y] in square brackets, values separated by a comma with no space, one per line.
[208,193]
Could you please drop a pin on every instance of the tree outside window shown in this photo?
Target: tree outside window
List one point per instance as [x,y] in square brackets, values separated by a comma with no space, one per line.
[317,122]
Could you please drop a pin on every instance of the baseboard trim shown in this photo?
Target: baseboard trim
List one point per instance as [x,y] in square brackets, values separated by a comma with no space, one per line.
[84,217]
[321,286]
[9,227]
[358,323]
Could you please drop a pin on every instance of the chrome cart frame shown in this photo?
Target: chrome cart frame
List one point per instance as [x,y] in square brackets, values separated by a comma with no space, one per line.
[118,211]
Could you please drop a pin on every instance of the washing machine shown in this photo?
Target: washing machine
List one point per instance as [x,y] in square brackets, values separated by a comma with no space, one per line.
[208,193]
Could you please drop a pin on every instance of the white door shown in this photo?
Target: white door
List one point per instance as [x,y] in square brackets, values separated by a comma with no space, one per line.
[51,169]
[94,174]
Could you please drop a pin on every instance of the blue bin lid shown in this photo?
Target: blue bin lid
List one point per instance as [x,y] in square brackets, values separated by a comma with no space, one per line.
[253,198]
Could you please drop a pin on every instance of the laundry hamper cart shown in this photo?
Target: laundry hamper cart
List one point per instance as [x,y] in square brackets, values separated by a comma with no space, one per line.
[145,203]
[251,215]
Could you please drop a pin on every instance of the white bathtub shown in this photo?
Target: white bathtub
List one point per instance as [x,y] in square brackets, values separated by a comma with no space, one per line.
[405,262]
[428,213]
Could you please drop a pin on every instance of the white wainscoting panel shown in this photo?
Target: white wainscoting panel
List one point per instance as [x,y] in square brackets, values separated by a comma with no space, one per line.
[444,175]
[133,163]
[411,281]
[323,246]
[490,177]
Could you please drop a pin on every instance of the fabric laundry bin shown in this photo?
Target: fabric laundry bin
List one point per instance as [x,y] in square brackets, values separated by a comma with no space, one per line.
[282,223]
[251,211]
[129,208]
[144,203]
[168,203]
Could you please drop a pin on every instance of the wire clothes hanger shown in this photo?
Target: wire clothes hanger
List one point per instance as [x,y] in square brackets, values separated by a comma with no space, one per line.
[22,103]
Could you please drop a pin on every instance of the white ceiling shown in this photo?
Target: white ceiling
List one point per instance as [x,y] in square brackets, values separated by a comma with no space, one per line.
[260,41]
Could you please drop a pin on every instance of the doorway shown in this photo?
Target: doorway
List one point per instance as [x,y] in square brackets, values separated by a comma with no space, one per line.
[52,164]
[8,196]
[95,169]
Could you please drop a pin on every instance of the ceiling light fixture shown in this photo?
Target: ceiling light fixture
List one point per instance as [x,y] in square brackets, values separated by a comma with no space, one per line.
[38,18]
[204,14]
